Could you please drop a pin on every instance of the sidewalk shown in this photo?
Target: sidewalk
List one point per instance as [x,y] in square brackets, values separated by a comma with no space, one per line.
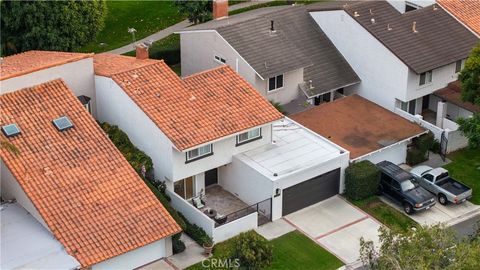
[177,27]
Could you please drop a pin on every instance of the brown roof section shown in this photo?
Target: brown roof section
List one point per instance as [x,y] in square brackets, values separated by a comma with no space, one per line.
[31,61]
[107,64]
[202,108]
[440,39]
[92,200]
[452,94]
[466,11]
[357,124]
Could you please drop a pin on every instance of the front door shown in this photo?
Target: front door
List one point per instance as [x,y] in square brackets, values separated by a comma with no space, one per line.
[211,177]
[425,102]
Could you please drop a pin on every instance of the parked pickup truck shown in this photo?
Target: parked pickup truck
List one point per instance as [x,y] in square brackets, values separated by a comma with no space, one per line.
[441,184]
[401,186]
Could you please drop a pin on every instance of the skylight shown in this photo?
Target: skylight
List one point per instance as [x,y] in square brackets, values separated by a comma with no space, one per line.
[10,130]
[62,123]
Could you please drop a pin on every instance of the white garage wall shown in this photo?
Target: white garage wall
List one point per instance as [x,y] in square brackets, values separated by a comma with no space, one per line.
[135,258]
[396,154]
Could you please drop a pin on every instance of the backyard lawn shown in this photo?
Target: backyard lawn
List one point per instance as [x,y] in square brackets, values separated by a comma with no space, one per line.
[290,251]
[147,17]
[465,167]
[386,214]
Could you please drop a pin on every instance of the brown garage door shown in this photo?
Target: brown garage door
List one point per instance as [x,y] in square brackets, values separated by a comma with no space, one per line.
[310,192]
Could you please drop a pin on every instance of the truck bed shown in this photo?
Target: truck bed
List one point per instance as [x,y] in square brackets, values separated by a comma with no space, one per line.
[452,186]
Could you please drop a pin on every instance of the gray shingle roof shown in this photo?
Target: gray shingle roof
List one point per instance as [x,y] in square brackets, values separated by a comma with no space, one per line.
[298,42]
[440,39]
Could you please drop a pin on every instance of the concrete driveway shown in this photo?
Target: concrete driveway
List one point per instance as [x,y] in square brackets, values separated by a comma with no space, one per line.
[450,214]
[337,226]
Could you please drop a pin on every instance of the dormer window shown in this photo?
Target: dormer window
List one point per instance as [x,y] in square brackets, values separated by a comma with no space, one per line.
[85,102]
[11,130]
[249,136]
[275,83]
[426,78]
[62,123]
[198,153]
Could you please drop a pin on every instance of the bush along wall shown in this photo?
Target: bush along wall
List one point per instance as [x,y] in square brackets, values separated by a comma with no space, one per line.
[361,180]
[418,151]
[141,162]
[196,232]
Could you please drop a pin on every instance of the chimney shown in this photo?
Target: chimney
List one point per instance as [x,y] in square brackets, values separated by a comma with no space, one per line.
[141,51]
[220,9]
[414,27]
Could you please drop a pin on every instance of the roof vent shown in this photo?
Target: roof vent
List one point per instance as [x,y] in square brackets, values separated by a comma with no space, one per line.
[371,12]
[414,27]
[355,14]
[372,20]
[272,28]
[310,84]
[10,130]
[62,123]
[388,27]
[435,7]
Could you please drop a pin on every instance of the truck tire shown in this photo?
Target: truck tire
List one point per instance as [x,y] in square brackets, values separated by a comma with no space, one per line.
[442,199]
[408,208]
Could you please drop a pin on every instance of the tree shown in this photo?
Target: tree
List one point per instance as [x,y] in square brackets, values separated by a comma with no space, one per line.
[470,77]
[470,127]
[434,247]
[252,250]
[49,25]
[197,11]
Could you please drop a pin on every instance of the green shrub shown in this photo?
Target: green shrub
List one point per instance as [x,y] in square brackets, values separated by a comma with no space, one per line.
[196,232]
[415,156]
[279,107]
[361,180]
[435,147]
[253,251]
[177,244]
[424,142]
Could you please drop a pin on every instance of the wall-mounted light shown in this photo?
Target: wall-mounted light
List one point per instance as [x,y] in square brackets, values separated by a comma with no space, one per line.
[277,192]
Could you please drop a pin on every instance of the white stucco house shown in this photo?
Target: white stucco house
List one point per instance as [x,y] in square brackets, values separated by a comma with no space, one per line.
[229,159]
[401,56]
[280,51]
[69,199]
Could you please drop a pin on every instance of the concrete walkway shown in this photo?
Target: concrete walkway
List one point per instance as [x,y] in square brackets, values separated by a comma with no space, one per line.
[192,254]
[177,27]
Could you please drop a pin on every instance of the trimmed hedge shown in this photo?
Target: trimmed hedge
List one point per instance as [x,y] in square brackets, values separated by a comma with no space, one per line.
[196,232]
[418,150]
[361,180]
[177,244]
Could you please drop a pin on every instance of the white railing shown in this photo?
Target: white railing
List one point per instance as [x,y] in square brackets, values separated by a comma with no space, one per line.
[190,212]
[437,131]
[229,230]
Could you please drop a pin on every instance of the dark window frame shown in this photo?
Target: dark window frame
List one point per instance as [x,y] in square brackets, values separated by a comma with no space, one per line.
[275,81]
[187,160]
[249,140]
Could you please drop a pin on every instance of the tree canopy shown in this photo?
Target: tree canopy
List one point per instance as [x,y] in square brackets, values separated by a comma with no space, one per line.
[49,25]
[470,77]
[434,247]
[197,11]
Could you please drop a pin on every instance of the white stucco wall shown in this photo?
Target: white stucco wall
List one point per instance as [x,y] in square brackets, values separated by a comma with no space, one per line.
[441,77]
[137,257]
[78,75]
[196,58]
[235,227]
[396,154]
[11,189]
[383,75]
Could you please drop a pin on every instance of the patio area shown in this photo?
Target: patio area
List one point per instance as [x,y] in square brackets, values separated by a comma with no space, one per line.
[222,201]
[429,116]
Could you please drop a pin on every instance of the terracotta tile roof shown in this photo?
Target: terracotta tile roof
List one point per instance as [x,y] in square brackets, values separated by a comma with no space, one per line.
[452,94]
[466,11]
[89,196]
[201,108]
[357,124]
[27,62]
[107,64]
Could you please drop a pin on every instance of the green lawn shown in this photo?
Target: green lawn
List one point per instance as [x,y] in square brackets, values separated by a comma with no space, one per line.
[147,17]
[465,167]
[386,214]
[291,251]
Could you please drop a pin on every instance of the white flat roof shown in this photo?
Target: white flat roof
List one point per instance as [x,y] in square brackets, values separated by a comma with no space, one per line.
[294,148]
[26,244]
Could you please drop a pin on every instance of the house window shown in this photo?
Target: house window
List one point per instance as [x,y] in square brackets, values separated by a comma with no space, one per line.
[426,77]
[185,188]
[275,82]
[458,66]
[85,102]
[199,153]
[220,59]
[249,136]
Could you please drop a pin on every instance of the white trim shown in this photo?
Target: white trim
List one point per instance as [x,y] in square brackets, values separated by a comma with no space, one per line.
[209,31]
[388,146]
